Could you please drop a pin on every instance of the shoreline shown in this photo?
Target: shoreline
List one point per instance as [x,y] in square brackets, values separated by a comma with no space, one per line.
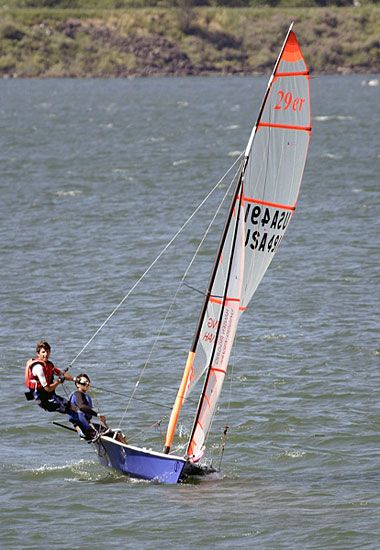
[52,43]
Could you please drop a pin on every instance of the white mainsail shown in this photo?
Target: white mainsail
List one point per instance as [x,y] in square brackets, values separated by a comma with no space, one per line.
[264,202]
[276,160]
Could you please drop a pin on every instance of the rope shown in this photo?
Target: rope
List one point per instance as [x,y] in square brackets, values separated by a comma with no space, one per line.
[153,263]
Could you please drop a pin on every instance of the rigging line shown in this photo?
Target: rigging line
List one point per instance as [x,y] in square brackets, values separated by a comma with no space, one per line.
[212,296]
[193,288]
[154,262]
[148,427]
[176,293]
[129,397]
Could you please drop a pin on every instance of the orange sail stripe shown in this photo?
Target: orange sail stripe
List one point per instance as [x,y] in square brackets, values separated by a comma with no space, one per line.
[292,52]
[219,300]
[300,73]
[284,126]
[273,204]
[214,369]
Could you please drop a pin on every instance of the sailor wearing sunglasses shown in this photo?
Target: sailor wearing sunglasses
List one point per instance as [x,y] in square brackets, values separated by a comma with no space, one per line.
[83,411]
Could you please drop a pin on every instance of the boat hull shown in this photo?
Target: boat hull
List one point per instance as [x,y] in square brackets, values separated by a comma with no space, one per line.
[137,462]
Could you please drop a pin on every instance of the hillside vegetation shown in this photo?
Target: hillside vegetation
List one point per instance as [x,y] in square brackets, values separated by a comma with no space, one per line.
[188,40]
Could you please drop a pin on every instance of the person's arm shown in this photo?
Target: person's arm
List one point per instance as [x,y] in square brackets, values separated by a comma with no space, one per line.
[39,372]
[82,405]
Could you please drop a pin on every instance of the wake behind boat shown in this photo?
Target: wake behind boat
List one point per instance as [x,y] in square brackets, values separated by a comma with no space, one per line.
[263,202]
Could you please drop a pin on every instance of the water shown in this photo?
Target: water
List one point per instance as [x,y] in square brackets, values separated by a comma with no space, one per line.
[96,177]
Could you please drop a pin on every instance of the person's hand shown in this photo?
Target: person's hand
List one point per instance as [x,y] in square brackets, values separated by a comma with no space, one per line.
[61,378]
[102,418]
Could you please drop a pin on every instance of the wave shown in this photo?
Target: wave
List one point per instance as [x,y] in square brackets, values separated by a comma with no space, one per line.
[75,471]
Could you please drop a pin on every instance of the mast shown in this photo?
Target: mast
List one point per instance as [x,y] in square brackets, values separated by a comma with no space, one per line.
[239,196]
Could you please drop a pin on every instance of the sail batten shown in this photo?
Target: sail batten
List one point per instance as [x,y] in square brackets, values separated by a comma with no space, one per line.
[267,203]
[284,126]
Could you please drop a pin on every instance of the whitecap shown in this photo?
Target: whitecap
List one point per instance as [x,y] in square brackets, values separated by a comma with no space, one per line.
[327,118]
[291,454]
[72,193]
[295,454]
[273,336]
[234,153]
[331,156]
[179,162]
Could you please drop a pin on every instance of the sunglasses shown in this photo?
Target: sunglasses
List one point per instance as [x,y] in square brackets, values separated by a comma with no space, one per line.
[85,383]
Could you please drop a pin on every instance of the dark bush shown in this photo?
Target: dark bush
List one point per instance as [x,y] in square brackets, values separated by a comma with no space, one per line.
[10,32]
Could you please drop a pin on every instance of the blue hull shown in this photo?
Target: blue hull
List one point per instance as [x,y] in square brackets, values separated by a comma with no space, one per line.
[139,463]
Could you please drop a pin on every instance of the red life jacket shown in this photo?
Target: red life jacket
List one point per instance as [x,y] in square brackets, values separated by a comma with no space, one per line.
[32,382]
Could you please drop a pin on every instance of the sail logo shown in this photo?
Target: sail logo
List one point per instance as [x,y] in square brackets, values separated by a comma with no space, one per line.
[212,323]
[286,101]
[224,341]
[209,335]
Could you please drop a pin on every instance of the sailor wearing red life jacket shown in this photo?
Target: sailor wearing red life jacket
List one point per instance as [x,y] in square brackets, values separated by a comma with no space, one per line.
[39,379]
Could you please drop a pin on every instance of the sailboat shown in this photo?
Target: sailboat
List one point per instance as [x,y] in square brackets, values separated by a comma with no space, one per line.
[263,203]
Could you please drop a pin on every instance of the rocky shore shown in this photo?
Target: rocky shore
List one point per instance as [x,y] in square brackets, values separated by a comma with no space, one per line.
[171,42]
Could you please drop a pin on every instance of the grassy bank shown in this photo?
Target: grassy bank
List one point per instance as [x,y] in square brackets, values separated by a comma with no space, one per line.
[188,41]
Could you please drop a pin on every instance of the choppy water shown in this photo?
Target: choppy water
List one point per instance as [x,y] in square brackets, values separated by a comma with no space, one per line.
[96,176]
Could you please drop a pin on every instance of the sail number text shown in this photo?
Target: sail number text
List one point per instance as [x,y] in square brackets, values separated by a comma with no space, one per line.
[264,234]
[286,100]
